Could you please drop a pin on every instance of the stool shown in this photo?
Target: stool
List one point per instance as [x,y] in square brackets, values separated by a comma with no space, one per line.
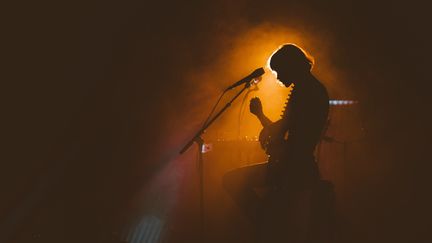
[305,215]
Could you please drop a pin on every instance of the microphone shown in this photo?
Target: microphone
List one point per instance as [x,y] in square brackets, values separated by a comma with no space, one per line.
[255,74]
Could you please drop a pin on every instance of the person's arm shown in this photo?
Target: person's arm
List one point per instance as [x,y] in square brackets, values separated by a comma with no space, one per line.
[255,107]
[265,121]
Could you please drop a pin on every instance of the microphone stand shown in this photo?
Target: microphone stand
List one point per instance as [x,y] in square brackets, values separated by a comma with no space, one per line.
[200,142]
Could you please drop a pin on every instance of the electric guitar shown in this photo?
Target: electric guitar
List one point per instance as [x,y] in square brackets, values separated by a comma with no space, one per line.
[273,136]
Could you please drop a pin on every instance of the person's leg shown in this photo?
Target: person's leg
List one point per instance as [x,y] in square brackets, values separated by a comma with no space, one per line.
[240,184]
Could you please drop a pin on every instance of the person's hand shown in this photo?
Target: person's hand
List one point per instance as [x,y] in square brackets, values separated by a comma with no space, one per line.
[255,106]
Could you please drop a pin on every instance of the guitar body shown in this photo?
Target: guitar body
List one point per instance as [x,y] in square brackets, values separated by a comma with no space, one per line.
[273,136]
[272,139]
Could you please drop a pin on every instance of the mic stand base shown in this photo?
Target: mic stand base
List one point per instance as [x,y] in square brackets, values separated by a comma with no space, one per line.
[200,143]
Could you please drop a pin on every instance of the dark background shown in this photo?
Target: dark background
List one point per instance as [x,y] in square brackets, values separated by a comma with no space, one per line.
[91,90]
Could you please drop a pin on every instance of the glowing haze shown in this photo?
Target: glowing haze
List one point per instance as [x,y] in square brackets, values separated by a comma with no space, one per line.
[239,56]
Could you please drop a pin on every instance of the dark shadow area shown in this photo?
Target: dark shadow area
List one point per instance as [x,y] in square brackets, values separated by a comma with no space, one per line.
[97,104]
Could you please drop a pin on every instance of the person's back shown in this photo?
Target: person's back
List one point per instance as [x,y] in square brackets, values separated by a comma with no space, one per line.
[306,116]
[304,120]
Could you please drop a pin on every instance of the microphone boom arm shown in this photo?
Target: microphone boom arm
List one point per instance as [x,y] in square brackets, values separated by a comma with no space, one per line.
[197,137]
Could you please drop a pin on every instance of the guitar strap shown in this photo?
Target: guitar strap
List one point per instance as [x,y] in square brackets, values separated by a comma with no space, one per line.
[287,109]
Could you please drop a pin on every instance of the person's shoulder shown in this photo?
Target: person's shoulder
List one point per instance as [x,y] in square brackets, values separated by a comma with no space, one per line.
[321,89]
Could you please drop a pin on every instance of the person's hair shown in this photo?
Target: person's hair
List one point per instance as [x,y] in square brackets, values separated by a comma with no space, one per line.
[292,56]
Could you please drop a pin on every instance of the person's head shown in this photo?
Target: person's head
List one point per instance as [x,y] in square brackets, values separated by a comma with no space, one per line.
[290,62]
